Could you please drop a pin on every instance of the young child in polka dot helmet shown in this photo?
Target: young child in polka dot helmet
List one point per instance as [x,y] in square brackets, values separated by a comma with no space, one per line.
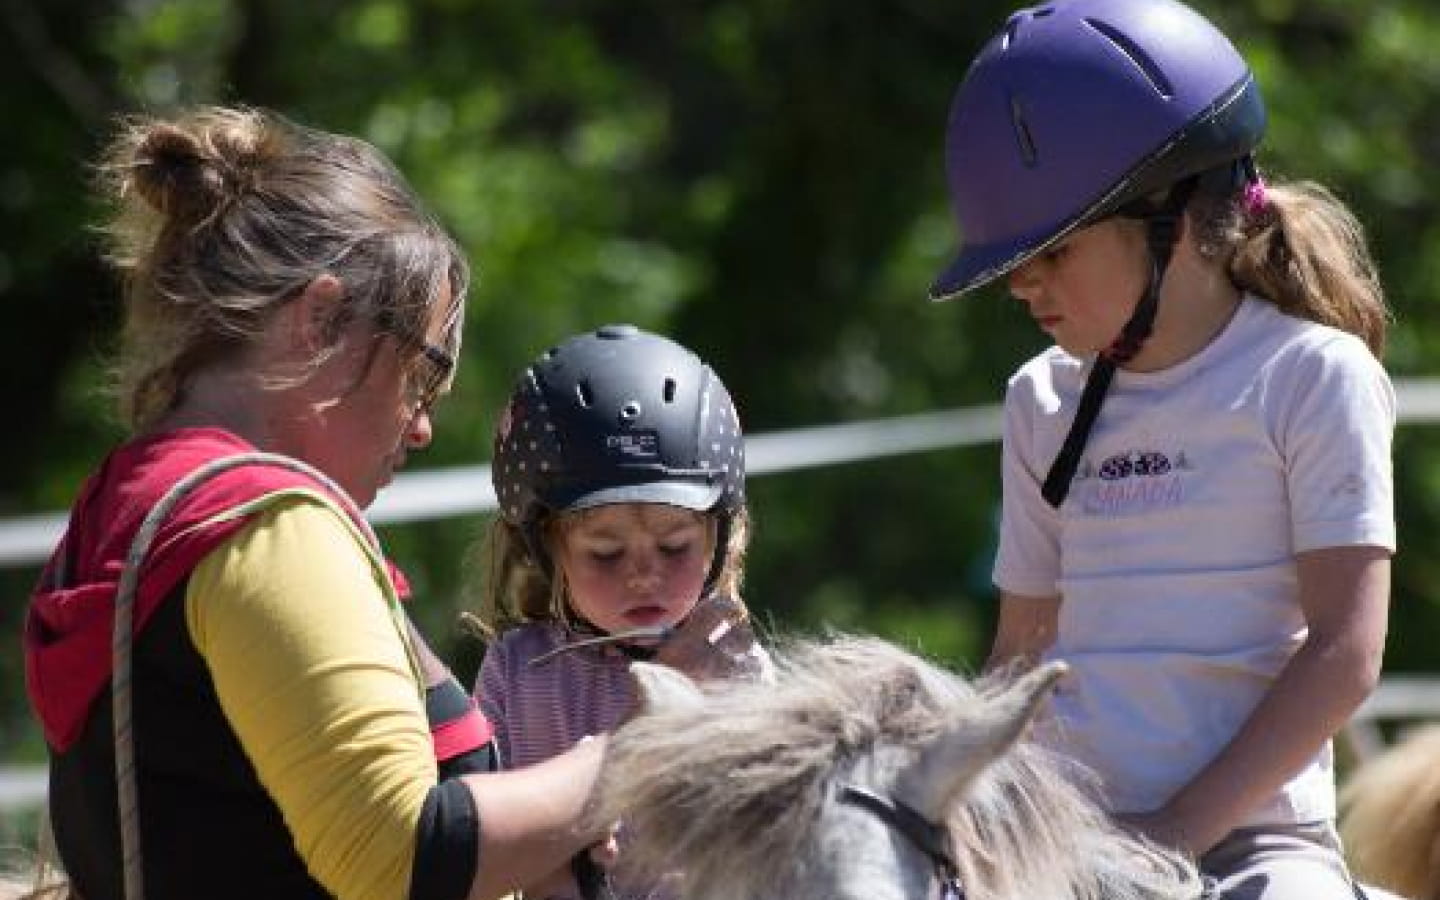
[618,415]
[619,467]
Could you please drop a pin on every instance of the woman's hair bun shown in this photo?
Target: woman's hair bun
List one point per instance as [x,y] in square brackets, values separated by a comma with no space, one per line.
[190,168]
[173,174]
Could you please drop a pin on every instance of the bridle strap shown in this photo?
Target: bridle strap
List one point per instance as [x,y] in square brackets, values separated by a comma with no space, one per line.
[933,840]
[929,838]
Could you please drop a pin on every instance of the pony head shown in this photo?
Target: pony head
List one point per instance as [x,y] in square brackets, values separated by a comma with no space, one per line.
[862,771]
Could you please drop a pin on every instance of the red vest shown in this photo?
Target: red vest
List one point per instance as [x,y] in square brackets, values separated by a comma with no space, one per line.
[70,622]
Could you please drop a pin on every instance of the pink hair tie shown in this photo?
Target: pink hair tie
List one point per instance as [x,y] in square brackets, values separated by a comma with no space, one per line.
[1255,202]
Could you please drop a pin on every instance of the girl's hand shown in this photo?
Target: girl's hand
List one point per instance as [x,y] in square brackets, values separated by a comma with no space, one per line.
[714,641]
[605,853]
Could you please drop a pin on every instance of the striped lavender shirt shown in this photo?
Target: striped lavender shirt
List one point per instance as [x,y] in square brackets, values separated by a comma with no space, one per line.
[542,711]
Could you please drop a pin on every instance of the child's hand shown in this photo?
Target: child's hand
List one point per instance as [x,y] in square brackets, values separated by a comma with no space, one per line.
[715,641]
[607,852]
[590,868]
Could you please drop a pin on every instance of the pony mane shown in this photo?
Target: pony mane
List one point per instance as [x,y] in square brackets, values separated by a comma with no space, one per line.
[731,792]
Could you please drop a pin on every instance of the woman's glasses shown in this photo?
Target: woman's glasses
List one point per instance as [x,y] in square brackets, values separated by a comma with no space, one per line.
[427,379]
[433,368]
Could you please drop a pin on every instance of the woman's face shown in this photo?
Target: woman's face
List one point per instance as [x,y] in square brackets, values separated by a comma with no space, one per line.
[1083,290]
[377,403]
[629,565]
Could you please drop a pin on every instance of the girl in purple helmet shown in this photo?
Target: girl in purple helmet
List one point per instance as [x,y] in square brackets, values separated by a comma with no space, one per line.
[619,469]
[1197,483]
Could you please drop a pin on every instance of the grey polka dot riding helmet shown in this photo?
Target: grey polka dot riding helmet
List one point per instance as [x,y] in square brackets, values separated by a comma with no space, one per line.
[618,415]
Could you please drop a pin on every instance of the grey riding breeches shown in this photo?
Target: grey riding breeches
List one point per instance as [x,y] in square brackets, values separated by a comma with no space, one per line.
[1279,862]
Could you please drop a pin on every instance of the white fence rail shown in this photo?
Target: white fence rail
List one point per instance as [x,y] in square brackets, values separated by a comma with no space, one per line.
[1399,698]
[21,788]
[465,490]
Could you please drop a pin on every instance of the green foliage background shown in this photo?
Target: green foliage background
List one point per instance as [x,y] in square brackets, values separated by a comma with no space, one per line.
[761,179]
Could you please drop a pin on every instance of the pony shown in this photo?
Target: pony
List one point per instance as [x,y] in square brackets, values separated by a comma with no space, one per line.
[862,771]
[1390,817]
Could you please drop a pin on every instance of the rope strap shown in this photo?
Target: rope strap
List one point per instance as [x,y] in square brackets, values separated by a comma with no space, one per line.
[121,646]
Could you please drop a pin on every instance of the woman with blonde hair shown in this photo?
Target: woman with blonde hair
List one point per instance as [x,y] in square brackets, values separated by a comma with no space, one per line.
[272,725]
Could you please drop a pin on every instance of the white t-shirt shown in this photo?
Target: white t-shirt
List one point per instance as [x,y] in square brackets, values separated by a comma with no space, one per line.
[1174,553]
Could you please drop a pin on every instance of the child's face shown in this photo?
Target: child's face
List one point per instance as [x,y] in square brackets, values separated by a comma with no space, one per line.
[1082,290]
[635,564]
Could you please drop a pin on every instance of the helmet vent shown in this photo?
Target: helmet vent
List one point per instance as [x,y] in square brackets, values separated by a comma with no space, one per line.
[584,394]
[1012,31]
[1012,25]
[1142,60]
[1023,137]
[669,392]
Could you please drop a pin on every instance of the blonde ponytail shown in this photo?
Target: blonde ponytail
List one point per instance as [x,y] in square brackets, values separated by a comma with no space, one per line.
[1304,251]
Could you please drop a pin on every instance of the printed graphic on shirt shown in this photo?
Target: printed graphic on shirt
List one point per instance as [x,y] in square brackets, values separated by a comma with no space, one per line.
[1135,481]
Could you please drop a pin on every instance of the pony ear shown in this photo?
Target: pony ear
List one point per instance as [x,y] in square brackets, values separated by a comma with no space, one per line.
[939,776]
[664,688]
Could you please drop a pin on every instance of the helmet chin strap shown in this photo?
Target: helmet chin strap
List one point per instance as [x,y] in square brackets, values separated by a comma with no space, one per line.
[1162,225]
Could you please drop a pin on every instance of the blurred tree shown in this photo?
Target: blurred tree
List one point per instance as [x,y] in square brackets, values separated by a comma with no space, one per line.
[762,180]
[60,88]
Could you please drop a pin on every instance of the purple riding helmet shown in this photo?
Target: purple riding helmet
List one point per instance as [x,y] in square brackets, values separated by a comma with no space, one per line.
[1078,107]
[1082,109]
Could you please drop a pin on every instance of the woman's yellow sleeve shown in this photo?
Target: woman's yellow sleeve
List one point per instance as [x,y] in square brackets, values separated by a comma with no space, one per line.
[314,677]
